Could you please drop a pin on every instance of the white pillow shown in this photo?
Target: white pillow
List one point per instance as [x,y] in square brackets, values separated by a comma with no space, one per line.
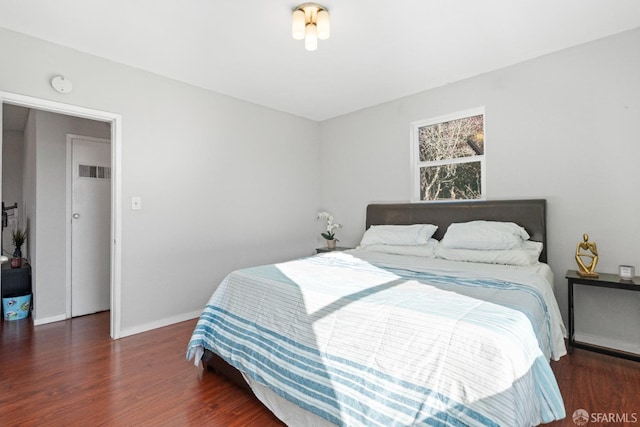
[427,250]
[416,234]
[484,235]
[527,253]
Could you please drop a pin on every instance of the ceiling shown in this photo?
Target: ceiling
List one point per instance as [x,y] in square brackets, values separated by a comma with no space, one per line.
[379,50]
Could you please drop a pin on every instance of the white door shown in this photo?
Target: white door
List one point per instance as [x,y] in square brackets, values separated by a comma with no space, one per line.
[90,225]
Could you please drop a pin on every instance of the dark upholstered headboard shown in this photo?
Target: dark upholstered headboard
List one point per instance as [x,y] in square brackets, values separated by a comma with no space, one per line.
[530,214]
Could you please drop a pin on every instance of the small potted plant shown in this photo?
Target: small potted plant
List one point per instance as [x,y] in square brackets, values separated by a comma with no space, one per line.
[330,234]
[19,237]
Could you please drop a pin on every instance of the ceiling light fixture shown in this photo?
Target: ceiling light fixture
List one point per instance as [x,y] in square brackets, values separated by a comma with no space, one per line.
[310,22]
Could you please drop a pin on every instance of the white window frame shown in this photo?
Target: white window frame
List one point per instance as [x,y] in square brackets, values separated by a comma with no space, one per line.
[416,164]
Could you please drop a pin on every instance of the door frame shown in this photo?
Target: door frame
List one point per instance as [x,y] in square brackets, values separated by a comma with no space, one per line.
[116,186]
[69,204]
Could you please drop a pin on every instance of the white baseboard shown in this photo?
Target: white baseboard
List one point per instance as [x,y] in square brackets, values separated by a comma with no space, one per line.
[607,342]
[52,319]
[159,323]
[130,331]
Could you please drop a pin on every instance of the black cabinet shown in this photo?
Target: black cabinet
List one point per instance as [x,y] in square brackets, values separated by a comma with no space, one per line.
[15,281]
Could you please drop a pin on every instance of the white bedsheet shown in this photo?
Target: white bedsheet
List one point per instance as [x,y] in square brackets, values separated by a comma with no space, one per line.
[539,275]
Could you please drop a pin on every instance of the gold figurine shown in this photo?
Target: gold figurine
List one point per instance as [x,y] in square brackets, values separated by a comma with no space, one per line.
[587,249]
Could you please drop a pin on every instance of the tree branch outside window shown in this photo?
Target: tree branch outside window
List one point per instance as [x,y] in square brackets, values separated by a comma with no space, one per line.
[450,156]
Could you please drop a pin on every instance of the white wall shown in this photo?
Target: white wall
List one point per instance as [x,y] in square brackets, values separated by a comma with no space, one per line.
[29,188]
[563,127]
[224,183]
[12,169]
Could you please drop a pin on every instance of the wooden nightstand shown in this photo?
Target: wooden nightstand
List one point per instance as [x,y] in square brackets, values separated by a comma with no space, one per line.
[604,280]
[337,248]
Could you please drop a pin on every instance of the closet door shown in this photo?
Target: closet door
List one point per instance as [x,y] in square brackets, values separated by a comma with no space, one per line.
[90,225]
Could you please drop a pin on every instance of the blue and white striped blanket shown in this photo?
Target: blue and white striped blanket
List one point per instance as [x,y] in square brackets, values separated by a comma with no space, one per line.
[361,343]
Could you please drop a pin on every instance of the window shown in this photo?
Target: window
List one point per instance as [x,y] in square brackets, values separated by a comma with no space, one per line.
[448,158]
[88,171]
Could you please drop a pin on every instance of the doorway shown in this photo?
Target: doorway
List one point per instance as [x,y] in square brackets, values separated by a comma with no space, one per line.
[114,259]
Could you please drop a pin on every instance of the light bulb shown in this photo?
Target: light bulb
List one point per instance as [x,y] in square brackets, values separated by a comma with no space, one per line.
[310,37]
[323,25]
[297,24]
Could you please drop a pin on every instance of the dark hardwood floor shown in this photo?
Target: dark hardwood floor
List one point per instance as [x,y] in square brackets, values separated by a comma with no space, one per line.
[71,373]
[601,385]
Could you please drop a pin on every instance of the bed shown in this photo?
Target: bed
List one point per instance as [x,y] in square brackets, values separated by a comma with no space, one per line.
[366,337]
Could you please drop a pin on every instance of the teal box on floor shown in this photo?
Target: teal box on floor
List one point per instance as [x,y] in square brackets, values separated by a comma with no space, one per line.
[15,308]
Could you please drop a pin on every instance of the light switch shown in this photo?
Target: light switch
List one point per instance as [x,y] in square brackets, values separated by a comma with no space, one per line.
[136,203]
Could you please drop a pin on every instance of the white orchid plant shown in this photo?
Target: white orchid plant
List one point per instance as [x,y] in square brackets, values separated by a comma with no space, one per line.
[331,226]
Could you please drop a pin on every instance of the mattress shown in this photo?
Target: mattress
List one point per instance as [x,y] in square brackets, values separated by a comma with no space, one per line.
[360,338]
